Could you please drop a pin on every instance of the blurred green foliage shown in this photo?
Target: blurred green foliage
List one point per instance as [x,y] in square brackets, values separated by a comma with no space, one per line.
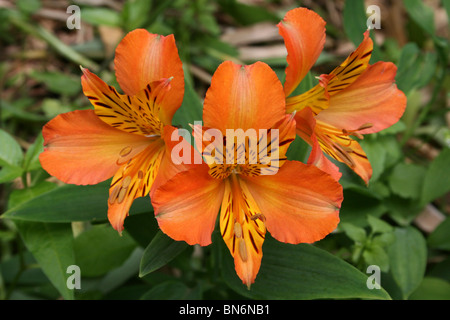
[46,227]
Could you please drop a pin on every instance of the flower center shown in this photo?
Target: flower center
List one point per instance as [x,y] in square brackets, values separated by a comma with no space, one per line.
[248,155]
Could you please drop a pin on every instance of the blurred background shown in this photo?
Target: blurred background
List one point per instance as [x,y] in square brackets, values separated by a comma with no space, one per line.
[40,55]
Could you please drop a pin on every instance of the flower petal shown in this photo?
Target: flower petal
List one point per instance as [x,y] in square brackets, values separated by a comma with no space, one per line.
[331,84]
[373,101]
[306,124]
[186,206]
[349,71]
[300,203]
[82,149]
[169,168]
[348,151]
[304,35]
[243,97]
[242,228]
[142,58]
[133,180]
[134,114]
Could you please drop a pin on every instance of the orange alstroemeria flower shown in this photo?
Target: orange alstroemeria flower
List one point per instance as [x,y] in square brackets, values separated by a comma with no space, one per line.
[295,202]
[355,99]
[126,136]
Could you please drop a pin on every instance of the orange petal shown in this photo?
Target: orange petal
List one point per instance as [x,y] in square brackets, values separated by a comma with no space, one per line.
[242,228]
[349,71]
[142,58]
[243,97]
[300,203]
[267,154]
[349,151]
[315,99]
[133,180]
[306,125]
[169,168]
[372,101]
[186,206]
[340,78]
[82,149]
[134,114]
[304,35]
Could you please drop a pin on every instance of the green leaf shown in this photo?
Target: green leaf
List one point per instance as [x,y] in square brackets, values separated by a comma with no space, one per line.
[52,246]
[31,161]
[58,82]
[376,255]
[117,277]
[301,272]
[136,13]
[402,210]
[142,227]
[53,41]
[10,151]
[378,225]
[355,233]
[71,203]
[159,252]
[9,173]
[11,157]
[171,290]
[246,14]
[357,205]
[376,153]
[406,180]
[432,289]
[17,110]
[355,20]
[446,5]
[305,85]
[28,6]
[421,14]
[101,16]
[298,150]
[100,249]
[440,237]
[415,69]
[441,269]
[408,259]
[437,178]
[19,196]
[191,109]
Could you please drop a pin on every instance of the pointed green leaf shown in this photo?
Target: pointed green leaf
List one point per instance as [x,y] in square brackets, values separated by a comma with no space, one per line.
[378,225]
[71,203]
[11,157]
[10,152]
[437,178]
[432,289]
[170,290]
[440,237]
[355,233]
[159,252]
[406,180]
[31,161]
[421,14]
[52,246]
[191,109]
[101,249]
[355,20]
[408,259]
[301,272]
